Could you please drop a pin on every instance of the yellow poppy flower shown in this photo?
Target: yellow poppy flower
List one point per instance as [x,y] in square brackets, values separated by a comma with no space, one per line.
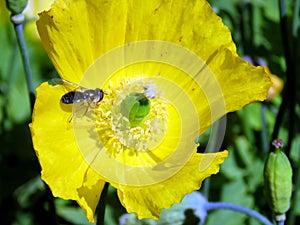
[168,70]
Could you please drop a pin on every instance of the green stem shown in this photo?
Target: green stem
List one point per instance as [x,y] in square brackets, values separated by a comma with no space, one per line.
[289,92]
[101,206]
[296,17]
[289,97]
[264,132]
[292,214]
[214,144]
[224,205]
[25,58]
[52,219]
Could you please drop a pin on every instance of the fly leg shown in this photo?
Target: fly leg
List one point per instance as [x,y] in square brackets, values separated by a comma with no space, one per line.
[76,110]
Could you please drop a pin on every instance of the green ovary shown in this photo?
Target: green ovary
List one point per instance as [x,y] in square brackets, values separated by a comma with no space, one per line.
[128,120]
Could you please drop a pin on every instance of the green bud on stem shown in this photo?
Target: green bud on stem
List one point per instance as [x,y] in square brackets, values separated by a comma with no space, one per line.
[278,181]
[16,6]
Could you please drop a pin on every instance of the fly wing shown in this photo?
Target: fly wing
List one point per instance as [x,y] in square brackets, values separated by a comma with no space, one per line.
[68,85]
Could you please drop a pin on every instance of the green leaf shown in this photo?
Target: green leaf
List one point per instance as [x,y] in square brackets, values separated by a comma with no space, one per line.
[71,213]
[231,170]
[25,193]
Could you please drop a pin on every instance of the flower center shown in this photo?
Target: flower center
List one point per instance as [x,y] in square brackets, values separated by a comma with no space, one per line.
[131,116]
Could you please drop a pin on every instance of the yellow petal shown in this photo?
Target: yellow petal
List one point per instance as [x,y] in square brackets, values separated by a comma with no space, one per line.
[89,193]
[189,113]
[191,24]
[63,167]
[146,202]
[50,130]
[74,35]
[241,83]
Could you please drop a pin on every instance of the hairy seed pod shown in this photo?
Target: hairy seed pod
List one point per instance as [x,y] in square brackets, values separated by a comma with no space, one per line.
[278,181]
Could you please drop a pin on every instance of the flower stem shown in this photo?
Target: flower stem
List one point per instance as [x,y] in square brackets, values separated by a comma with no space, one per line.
[214,144]
[295,27]
[52,219]
[292,213]
[238,208]
[296,23]
[264,132]
[18,26]
[101,206]
[288,100]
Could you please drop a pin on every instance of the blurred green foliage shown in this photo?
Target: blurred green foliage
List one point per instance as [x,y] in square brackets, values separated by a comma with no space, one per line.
[24,199]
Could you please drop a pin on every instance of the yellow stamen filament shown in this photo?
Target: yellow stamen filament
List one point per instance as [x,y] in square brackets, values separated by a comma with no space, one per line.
[114,128]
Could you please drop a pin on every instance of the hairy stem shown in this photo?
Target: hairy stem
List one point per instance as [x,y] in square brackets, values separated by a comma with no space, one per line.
[25,59]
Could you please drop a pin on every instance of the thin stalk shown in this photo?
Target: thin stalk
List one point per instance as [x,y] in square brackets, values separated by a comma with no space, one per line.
[25,59]
[279,116]
[288,100]
[238,208]
[52,209]
[296,17]
[214,144]
[102,205]
[206,187]
[292,214]
[264,132]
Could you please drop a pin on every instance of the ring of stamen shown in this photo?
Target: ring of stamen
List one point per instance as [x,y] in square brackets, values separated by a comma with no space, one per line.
[115,128]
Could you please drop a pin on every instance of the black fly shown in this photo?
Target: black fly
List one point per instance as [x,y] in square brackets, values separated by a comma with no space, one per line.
[80,94]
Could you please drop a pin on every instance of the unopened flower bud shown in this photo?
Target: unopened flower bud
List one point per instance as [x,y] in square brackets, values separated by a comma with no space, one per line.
[278,181]
[16,6]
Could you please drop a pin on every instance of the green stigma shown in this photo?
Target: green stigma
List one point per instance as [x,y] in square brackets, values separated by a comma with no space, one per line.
[135,107]
[132,116]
